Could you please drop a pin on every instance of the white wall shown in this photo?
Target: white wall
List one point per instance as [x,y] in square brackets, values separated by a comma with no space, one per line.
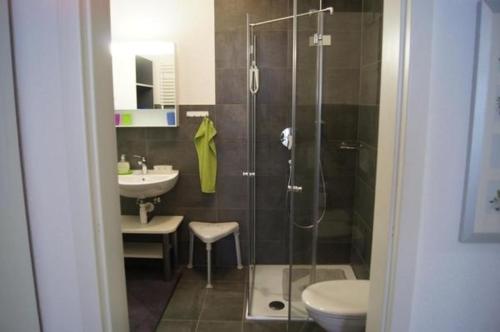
[187,23]
[456,285]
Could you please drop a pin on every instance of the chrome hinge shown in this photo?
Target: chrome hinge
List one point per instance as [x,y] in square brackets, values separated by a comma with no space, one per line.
[295,189]
[249,174]
[318,39]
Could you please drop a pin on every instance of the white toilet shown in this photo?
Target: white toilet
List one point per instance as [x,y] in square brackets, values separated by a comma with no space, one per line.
[338,305]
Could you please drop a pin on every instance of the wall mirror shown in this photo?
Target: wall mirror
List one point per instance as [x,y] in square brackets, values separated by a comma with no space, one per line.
[144,84]
[481,207]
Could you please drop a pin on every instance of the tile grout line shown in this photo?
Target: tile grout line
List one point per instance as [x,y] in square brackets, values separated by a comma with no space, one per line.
[205,294]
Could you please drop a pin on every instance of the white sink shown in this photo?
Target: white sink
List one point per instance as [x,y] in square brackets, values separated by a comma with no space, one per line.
[138,185]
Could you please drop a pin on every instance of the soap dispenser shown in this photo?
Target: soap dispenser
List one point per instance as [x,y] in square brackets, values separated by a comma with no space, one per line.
[123,166]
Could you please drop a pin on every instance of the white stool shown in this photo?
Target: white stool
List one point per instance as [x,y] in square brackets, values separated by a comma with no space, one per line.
[209,233]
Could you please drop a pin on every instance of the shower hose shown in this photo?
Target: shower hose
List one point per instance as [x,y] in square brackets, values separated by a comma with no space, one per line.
[318,221]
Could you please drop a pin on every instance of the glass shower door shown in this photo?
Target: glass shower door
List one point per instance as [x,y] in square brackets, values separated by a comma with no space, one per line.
[306,190]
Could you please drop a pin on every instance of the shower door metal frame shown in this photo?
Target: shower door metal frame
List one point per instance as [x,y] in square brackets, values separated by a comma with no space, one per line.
[251,137]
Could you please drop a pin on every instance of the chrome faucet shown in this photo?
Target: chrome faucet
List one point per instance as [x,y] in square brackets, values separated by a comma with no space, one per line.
[142,162]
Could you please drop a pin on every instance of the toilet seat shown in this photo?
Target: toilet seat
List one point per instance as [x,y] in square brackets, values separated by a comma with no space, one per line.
[346,299]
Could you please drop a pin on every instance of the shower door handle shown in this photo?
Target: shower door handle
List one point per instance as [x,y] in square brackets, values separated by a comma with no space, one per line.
[295,189]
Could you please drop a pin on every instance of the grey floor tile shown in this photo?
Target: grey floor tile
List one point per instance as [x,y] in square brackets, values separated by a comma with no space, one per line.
[187,301]
[305,327]
[218,274]
[220,326]
[224,302]
[264,326]
[176,326]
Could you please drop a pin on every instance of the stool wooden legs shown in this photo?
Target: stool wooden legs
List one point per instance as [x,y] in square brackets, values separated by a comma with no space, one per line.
[238,252]
[191,249]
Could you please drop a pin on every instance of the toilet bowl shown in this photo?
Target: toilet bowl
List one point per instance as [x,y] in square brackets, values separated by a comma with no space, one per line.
[338,305]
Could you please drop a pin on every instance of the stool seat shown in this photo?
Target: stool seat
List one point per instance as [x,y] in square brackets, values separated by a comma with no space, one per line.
[211,232]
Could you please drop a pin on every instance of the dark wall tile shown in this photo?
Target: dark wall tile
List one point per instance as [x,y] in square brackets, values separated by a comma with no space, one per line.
[372,41]
[368,124]
[364,201]
[369,92]
[367,164]
[230,49]
[232,193]
[232,122]
[230,86]
[272,49]
[232,156]
[341,121]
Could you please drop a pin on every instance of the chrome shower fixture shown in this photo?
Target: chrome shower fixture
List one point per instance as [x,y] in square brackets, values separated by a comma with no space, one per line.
[286,138]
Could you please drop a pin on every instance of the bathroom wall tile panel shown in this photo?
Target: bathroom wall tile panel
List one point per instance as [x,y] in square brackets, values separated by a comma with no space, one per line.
[272,157]
[372,37]
[340,192]
[164,134]
[238,215]
[270,191]
[373,6]
[364,201]
[360,268]
[230,49]
[333,253]
[275,86]
[232,122]
[370,84]
[128,206]
[232,157]
[341,22]
[271,252]
[231,192]
[131,148]
[180,154]
[344,5]
[367,165]
[368,124]
[230,85]
[343,54]
[306,86]
[187,193]
[341,86]
[337,162]
[232,13]
[130,134]
[341,121]
[225,252]
[272,225]
[271,119]
[272,49]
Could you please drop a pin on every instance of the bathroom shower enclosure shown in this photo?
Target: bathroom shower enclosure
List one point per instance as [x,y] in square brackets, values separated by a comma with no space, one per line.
[309,156]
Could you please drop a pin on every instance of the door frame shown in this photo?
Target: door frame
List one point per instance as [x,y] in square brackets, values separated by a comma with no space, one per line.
[90,20]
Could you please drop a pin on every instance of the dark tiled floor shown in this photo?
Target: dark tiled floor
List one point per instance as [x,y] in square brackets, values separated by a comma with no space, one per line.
[147,294]
[194,308]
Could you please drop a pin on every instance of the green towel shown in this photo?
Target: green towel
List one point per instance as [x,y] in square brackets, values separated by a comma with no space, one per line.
[207,155]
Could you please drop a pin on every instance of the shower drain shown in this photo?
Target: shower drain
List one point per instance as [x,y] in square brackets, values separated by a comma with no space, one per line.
[276,305]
